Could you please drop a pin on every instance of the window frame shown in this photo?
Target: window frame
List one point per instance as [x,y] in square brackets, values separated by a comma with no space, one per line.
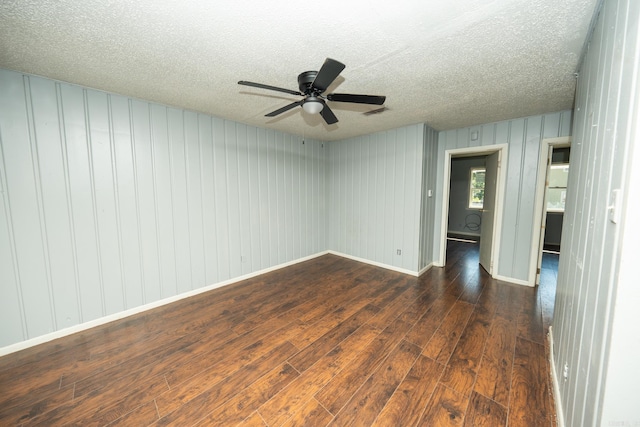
[471,188]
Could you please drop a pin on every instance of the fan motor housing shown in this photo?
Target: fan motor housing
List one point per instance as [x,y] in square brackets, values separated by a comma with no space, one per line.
[305,80]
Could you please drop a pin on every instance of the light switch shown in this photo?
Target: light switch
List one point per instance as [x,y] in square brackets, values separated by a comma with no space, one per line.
[614,207]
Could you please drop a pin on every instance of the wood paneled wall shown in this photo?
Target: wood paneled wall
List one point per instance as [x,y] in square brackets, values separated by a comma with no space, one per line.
[110,203]
[374,196]
[524,138]
[595,321]
[428,205]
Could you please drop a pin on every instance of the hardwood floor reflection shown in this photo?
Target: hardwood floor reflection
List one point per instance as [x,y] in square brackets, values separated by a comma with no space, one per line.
[325,342]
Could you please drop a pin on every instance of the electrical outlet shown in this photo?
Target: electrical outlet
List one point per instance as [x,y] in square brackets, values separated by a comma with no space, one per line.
[399,251]
[565,371]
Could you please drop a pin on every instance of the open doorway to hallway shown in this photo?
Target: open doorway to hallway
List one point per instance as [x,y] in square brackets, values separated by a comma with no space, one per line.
[556,193]
[466,198]
[551,193]
[473,192]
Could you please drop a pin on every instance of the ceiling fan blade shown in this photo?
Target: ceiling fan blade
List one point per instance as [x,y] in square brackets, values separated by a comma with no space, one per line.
[261,86]
[358,99]
[328,115]
[327,74]
[283,109]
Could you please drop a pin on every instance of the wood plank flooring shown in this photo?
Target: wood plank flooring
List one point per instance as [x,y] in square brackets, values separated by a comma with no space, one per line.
[325,342]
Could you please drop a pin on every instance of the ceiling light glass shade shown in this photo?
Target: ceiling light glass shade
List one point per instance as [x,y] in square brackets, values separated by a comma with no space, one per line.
[312,106]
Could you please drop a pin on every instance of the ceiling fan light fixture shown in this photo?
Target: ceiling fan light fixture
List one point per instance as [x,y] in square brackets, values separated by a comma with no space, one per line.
[312,85]
[312,105]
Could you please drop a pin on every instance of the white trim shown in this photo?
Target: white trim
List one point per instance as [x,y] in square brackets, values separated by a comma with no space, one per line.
[501,186]
[12,348]
[554,379]
[513,280]
[464,233]
[455,239]
[424,270]
[377,264]
[563,141]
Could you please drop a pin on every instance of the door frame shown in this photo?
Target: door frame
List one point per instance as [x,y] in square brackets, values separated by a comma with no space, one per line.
[502,150]
[539,209]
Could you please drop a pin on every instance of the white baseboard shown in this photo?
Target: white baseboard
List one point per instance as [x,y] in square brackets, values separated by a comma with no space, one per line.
[424,270]
[375,263]
[12,348]
[554,379]
[463,233]
[513,280]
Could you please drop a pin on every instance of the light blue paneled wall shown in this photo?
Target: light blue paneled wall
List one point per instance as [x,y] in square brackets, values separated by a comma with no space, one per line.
[524,137]
[593,337]
[110,203]
[374,196]
[428,199]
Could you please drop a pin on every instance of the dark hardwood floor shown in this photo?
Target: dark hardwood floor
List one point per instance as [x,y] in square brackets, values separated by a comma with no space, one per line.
[328,341]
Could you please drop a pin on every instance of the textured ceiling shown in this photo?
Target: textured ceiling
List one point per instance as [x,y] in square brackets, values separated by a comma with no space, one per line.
[448,63]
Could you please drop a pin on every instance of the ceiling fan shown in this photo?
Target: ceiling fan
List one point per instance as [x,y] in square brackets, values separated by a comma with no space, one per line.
[312,85]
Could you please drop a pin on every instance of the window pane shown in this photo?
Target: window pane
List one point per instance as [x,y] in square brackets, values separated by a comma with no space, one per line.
[558,175]
[557,191]
[556,198]
[476,188]
[477,196]
[477,179]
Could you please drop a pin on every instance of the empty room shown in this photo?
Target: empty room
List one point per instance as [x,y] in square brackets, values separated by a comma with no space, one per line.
[344,213]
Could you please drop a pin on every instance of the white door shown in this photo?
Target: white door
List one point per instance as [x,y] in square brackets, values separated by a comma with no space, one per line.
[488,212]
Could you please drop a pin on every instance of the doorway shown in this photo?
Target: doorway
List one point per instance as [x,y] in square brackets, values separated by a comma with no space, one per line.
[549,204]
[465,205]
[491,209]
